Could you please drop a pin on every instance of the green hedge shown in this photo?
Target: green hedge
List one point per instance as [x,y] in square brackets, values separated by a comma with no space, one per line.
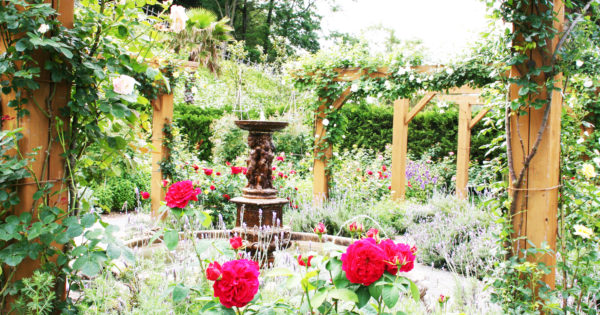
[370,126]
[195,123]
[118,191]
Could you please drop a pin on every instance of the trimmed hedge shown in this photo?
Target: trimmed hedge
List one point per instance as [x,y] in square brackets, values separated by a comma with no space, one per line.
[370,126]
[195,122]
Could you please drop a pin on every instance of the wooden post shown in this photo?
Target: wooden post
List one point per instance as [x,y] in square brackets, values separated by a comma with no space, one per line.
[36,127]
[464,150]
[163,114]
[322,156]
[399,149]
[537,204]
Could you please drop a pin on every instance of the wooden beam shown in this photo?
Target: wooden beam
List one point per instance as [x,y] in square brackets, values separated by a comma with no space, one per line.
[478,117]
[424,101]
[399,149]
[460,98]
[464,150]
[162,114]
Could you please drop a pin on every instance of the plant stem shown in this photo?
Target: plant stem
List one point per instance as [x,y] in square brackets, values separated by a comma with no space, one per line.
[380,305]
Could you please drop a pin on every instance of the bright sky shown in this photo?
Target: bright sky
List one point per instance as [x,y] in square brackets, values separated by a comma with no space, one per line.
[445,26]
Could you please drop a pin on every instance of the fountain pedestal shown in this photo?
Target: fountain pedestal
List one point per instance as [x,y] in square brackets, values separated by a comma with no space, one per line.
[259,210]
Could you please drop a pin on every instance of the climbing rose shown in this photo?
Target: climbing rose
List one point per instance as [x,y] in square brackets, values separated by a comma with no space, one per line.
[123,84]
[207,171]
[304,262]
[213,272]
[180,193]
[363,262]
[145,195]
[178,18]
[239,283]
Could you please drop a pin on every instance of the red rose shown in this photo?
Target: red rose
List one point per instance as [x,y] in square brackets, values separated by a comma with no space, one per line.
[165,183]
[180,193]
[235,242]
[274,168]
[239,283]
[304,262]
[279,158]
[207,171]
[390,187]
[295,188]
[213,272]
[145,195]
[196,167]
[363,262]
[244,170]
[292,172]
[227,163]
[372,232]
[406,255]
[236,170]
[218,173]
[226,196]
[280,174]
[383,168]
[212,187]
[320,228]
[370,172]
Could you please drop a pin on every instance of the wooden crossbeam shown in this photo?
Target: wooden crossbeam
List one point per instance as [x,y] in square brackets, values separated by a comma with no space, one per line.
[424,101]
[478,117]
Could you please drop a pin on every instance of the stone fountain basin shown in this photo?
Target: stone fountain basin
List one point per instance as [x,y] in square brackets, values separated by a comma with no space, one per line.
[261,125]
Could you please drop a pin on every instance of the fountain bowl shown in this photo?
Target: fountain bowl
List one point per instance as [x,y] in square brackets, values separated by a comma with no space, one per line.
[261,125]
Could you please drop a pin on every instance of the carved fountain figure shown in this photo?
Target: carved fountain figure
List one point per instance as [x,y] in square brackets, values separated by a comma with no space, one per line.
[259,210]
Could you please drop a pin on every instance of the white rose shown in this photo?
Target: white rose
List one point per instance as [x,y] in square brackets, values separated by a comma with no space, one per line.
[579,63]
[43,28]
[387,85]
[354,87]
[418,80]
[123,84]
[449,71]
[580,141]
[588,83]
[325,122]
[194,90]
[412,77]
[178,18]
[371,100]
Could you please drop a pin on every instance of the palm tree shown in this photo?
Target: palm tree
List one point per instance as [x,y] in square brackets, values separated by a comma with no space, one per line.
[203,38]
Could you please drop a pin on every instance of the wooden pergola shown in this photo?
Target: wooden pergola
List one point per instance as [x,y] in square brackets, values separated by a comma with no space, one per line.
[465,96]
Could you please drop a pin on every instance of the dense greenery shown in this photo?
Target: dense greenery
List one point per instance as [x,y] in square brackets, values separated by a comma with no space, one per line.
[431,131]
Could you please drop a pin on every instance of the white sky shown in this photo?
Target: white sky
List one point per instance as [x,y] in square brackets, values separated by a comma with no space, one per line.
[445,26]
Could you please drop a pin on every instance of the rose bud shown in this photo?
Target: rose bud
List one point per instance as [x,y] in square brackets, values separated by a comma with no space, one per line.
[352,227]
[235,242]
[213,272]
[320,228]
[304,262]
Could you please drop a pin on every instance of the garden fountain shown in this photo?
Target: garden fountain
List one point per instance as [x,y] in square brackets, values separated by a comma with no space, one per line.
[259,210]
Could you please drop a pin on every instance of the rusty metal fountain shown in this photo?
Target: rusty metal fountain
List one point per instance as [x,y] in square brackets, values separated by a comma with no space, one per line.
[259,210]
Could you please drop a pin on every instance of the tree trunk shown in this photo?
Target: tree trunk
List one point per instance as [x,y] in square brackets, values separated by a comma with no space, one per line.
[268,28]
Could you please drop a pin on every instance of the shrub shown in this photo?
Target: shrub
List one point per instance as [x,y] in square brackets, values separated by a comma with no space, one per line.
[119,191]
[195,122]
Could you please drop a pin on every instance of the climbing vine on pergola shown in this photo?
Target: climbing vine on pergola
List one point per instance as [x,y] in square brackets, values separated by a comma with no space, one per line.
[337,82]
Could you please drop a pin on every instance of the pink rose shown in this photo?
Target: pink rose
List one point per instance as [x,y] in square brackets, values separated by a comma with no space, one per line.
[123,84]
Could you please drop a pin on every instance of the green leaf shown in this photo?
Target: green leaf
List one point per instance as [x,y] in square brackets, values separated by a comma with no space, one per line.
[344,295]
[318,298]
[180,292]
[363,296]
[88,220]
[375,289]
[414,291]
[390,295]
[171,239]
[113,251]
